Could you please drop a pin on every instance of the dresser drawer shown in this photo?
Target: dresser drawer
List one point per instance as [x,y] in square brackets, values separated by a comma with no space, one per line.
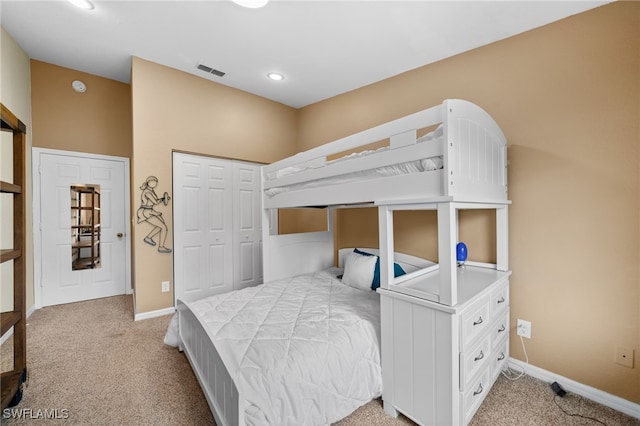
[499,358]
[473,397]
[473,361]
[500,328]
[499,299]
[474,322]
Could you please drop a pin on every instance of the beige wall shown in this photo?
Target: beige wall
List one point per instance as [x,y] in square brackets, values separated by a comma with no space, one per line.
[173,110]
[567,97]
[97,121]
[15,94]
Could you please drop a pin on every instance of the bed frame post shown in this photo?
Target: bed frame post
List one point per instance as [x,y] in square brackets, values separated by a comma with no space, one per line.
[448,181]
[447,234]
[387,355]
[266,234]
[385,232]
[502,238]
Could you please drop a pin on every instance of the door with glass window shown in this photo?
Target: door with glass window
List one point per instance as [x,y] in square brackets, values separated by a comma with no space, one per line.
[81,220]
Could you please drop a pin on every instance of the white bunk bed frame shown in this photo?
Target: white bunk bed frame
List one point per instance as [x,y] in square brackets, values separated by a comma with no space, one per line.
[474,176]
[473,148]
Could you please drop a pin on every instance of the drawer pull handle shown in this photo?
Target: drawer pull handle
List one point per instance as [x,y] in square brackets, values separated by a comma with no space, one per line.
[501,300]
[501,357]
[479,357]
[480,321]
[479,391]
[501,329]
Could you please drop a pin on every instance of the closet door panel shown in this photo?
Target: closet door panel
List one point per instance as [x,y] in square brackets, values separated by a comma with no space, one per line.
[218,269]
[247,271]
[247,225]
[190,251]
[192,278]
[203,219]
[219,239]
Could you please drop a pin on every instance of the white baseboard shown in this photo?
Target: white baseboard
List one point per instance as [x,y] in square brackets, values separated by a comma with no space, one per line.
[619,404]
[153,314]
[9,333]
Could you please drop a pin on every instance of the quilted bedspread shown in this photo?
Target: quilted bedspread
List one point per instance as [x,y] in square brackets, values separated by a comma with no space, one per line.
[302,351]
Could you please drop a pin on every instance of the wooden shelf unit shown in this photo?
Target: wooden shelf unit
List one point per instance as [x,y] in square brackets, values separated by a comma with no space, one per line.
[16,318]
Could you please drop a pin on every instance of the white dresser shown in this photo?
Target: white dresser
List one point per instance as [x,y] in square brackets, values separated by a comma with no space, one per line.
[441,361]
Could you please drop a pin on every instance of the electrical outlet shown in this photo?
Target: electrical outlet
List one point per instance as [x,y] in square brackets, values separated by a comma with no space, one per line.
[624,356]
[165,286]
[524,328]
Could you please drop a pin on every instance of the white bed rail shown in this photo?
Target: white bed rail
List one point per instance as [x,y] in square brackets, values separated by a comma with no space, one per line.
[371,161]
[418,120]
[225,401]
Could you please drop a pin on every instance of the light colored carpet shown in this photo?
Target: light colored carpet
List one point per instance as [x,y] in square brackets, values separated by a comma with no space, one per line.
[93,364]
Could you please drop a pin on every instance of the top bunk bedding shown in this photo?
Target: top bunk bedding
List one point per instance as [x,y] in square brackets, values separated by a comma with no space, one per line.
[464,159]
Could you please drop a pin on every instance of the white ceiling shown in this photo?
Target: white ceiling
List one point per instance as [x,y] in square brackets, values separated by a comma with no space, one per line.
[323,48]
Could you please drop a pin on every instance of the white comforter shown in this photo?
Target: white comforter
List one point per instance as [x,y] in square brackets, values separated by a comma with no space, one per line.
[302,351]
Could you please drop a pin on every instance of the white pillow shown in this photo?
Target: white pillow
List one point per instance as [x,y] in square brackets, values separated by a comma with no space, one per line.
[358,271]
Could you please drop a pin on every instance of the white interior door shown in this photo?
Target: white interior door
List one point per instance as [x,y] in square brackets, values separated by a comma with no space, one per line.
[57,173]
[202,222]
[247,227]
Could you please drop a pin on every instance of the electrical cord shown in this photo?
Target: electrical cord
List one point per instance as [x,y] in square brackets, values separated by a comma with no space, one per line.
[510,372]
[512,375]
[555,399]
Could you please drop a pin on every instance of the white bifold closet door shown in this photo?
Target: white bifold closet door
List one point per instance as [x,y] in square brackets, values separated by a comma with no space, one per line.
[217,226]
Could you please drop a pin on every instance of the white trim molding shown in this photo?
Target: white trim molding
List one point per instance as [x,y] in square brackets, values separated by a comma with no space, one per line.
[153,314]
[619,404]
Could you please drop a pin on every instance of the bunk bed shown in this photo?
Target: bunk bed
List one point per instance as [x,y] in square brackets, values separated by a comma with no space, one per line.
[443,327]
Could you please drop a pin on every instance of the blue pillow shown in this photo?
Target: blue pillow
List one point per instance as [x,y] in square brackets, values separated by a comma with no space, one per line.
[397,269]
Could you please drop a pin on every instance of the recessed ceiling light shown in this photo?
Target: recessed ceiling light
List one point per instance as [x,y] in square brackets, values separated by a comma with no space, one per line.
[275,76]
[253,4]
[82,4]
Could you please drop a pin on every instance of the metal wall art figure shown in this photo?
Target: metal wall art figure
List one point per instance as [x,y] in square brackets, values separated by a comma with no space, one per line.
[148,213]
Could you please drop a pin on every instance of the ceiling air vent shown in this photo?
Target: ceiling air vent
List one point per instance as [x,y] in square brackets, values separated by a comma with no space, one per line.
[210,70]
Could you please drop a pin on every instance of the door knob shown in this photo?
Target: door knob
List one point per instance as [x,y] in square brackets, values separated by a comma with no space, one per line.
[119,235]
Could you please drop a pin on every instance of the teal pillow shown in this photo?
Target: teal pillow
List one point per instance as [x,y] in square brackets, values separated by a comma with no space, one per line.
[397,269]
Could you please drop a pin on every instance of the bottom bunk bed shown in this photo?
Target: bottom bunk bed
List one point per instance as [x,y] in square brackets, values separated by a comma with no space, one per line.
[296,351]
